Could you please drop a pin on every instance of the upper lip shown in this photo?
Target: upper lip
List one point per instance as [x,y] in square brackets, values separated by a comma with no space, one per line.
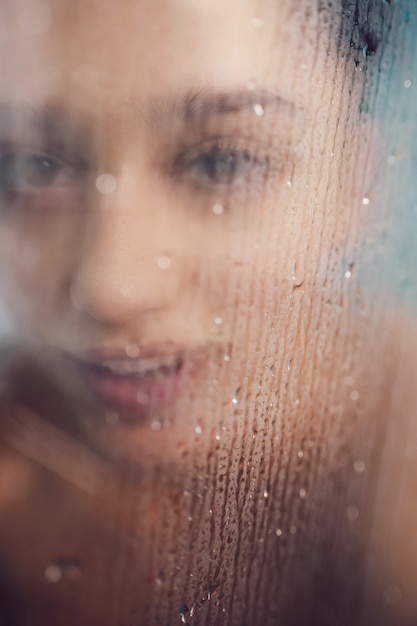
[106,353]
[166,352]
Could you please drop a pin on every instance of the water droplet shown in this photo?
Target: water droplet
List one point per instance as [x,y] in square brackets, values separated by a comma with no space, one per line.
[259,110]
[164,262]
[257,22]
[266,494]
[366,200]
[348,274]
[111,418]
[352,513]
[407,83]
[218,209]
[213,590]
[217,437]
[226,358]
[132,350]
[142,397]
[54,573]
[300,454]
[184,613]
[160,577]
[250,85]
[194,607]
[278,532]
[198,429]
[392,595]
[234,400]
[106,184]
[68,568]
[359,466]
[297,282]
[218,320]
[303,492]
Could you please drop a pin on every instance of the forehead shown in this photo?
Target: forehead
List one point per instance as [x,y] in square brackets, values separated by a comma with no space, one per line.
[101,59]
[162,33]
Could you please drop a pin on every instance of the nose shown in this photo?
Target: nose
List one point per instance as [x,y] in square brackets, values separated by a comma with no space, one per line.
[128,262]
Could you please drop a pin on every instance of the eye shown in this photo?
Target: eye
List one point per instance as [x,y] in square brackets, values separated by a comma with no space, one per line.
[221,167]
[22,170]
[217,165]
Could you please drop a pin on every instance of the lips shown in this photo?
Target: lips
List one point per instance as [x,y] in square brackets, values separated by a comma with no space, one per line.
[147,366]
[152,380]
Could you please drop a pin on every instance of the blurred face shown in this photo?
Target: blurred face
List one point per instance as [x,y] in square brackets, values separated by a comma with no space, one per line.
[160,196]
[178,206]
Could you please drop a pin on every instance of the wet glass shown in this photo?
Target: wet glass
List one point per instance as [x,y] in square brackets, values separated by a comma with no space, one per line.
[207,312]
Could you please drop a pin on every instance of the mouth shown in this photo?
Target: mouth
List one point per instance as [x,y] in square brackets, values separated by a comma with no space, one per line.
[151,380]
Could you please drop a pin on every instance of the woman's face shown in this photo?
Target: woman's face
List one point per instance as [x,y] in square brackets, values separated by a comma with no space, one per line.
[169,175]
[181,196]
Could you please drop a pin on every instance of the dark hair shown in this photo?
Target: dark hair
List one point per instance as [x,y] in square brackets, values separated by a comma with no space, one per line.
[365,26]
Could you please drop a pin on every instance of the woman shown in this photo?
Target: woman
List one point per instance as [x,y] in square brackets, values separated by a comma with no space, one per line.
[191,425]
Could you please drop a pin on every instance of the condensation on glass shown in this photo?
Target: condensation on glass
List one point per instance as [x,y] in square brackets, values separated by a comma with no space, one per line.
[208,311]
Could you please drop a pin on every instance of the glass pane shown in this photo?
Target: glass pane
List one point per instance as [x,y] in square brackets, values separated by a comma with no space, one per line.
[208,310]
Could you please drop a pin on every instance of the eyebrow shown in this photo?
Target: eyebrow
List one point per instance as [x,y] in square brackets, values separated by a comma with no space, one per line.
[61,125]
[199,106]
[53,124]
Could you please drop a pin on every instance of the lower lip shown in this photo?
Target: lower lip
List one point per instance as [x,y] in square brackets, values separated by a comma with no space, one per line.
[142,394]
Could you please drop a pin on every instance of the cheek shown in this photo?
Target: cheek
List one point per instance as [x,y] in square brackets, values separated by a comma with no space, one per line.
[35,257]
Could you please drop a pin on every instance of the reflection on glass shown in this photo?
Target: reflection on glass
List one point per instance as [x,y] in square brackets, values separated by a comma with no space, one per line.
[207,324]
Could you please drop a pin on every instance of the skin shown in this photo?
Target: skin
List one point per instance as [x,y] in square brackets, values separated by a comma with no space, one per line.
[187,504]
[106,289]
